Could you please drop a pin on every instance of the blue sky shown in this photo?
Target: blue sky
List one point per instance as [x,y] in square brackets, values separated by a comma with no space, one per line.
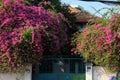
[89,6]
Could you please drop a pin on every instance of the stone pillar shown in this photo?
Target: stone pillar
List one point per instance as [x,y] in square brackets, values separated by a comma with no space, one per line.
[89,71]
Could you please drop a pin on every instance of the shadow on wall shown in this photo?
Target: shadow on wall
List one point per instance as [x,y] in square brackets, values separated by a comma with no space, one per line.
[117,76]
[114,78]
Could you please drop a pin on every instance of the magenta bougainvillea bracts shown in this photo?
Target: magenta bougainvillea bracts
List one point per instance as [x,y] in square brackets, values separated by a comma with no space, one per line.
[99,42]
[26,32]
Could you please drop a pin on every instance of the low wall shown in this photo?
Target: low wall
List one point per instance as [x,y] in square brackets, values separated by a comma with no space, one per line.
[17,76]
[100,73]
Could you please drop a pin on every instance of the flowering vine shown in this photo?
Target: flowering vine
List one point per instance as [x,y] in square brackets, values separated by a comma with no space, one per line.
[26,32]
[99,42]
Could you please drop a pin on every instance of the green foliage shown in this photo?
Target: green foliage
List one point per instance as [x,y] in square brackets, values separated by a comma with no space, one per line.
[100,42]
[28,35]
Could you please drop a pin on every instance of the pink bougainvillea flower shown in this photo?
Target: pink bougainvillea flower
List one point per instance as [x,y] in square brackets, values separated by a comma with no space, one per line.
[6,2]
[6,21]
[78,44]
[18,45]
[33,35]
[113,18]
[100,42]
[47,2]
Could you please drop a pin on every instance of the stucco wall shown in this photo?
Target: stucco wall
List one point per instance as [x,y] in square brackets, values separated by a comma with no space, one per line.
[17,76]
[100,73]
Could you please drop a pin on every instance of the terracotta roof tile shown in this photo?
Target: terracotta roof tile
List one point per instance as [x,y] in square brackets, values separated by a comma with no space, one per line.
[81,15]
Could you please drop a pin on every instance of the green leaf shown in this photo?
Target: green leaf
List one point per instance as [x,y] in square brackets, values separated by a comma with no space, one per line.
[28,35]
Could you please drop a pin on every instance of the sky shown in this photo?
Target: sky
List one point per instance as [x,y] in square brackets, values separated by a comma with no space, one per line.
[90,7]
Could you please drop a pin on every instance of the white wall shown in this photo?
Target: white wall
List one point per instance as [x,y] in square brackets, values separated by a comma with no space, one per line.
[100,73]
[12,76]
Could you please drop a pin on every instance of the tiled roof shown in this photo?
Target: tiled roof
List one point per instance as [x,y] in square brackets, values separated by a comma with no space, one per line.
[81,15]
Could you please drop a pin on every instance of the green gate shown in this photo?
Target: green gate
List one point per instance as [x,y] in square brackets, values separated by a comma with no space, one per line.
[59,69]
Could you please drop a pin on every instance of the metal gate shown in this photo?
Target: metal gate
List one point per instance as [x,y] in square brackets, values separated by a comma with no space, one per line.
[59,69]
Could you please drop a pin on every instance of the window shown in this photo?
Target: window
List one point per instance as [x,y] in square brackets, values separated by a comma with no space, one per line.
[46,66]
[72,66]
[77,66]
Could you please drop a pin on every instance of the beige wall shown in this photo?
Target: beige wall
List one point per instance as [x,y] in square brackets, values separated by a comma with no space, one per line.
[12,76]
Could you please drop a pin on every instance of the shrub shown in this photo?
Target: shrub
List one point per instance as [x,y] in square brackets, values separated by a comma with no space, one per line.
[26,32]
[99,42]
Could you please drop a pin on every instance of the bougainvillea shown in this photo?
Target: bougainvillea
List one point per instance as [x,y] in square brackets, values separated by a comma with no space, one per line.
[26,32]
[99,42]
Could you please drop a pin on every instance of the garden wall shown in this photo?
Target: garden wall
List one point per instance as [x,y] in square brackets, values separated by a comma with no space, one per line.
[100,73]
[17,76]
